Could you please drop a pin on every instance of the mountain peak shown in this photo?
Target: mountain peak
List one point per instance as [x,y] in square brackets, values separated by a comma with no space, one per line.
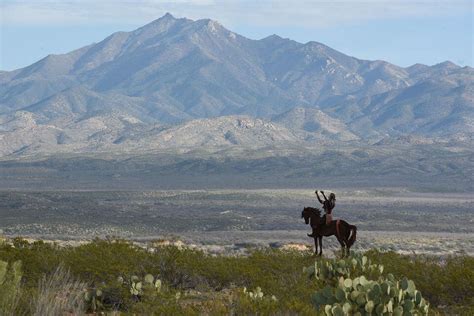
[165,18]
[272,37]
[168,16]
[446,64]
[161,25]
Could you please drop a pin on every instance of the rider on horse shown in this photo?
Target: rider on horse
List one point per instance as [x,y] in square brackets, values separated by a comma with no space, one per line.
[328,206]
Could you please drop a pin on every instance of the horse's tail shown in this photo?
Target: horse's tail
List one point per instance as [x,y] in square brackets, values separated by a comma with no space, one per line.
[353,234]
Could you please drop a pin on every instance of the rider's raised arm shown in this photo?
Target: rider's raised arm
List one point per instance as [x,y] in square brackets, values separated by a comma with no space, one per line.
[317,195]
[322,192]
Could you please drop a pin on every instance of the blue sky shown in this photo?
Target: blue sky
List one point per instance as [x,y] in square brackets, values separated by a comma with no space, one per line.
[403,32]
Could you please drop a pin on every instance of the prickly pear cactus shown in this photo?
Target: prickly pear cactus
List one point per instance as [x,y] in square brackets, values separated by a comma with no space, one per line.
[93,299]
[10,278]
[349,292]
[353,265]
[149,279]
[257,295]
[138,287]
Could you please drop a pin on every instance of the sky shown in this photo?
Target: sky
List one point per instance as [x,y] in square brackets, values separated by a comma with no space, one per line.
[403,32]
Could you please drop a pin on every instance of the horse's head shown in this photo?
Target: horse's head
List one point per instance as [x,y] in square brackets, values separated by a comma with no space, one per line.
[310,212]
[306,214]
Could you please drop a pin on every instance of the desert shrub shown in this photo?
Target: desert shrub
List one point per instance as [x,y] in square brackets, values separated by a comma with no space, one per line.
[10,278]
[38,258]
[104,260]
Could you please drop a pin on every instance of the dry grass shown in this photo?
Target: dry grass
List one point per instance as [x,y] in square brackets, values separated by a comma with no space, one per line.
[59,294]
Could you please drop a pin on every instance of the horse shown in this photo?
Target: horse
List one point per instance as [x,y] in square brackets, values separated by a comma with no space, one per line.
[344,232]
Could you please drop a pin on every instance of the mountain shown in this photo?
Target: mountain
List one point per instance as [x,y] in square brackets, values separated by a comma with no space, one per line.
[440,105]
[182,83]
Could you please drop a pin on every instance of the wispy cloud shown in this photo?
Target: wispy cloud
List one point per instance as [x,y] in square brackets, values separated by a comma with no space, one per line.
[231,12]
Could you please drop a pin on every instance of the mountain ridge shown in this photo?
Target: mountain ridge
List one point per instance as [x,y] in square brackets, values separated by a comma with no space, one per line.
[173,71]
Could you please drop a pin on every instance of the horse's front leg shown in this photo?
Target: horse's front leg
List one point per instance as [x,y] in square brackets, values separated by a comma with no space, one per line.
[316,246]
[320,239]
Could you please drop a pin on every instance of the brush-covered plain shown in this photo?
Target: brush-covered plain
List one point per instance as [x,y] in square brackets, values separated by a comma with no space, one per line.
[106,272]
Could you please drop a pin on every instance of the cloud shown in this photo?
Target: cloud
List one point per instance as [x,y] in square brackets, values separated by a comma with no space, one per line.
[229,12]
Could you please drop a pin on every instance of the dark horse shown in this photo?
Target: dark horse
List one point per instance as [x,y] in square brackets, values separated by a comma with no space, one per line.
[344,232]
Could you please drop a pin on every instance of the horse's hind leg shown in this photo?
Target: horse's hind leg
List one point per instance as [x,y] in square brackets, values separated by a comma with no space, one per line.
[343,247]
[346,241]
[348,250]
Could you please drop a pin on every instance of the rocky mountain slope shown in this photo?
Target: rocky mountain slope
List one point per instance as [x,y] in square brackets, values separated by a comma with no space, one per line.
[180,83]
